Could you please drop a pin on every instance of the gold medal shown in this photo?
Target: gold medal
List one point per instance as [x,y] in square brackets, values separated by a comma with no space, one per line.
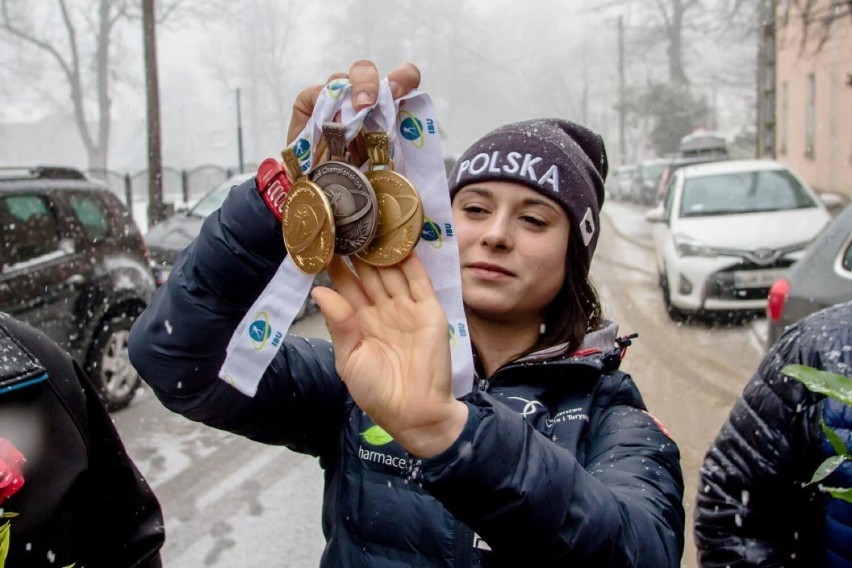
[400,208]
[306,221]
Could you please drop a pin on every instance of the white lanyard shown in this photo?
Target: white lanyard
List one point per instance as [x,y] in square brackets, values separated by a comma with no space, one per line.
[416,147]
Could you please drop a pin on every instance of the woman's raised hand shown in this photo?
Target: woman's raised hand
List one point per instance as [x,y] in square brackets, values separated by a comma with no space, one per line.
[364,77]
[391,344]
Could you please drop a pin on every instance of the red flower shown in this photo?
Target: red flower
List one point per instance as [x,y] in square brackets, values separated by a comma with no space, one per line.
[11,475]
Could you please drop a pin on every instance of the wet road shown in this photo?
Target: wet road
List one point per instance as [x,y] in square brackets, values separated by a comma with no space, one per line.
[228,501]
[689,373]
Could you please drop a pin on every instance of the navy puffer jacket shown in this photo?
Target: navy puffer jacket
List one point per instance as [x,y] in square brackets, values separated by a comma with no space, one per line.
[753,508]
[558,463]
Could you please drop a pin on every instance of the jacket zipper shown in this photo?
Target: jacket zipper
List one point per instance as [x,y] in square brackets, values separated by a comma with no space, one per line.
[464,545]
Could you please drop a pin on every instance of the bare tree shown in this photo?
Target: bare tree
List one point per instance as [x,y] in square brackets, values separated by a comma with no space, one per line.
[817,17]
[80,42]
[666,21]
[672,14]
[81,66]
[265,59]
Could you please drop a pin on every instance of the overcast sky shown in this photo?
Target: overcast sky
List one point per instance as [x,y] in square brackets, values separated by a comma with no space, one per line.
[484,63]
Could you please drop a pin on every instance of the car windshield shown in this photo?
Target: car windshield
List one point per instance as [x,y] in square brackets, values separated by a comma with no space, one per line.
[653,171]
[742,192]
[212,201]
[626,173]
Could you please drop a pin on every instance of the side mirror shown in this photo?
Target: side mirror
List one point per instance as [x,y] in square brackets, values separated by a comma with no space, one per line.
[831,200]
[656,215]
[67,246]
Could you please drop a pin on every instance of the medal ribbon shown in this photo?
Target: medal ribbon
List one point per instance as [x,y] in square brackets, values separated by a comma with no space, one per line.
[415,145]
[258,336]
[414,140]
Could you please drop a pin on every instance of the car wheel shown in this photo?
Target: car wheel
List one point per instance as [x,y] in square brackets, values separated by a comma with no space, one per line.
[109,365]
[676,314]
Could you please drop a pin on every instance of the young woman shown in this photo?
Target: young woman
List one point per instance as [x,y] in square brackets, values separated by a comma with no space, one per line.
[551,459]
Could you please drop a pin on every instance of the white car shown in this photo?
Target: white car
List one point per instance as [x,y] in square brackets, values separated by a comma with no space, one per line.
[726,231]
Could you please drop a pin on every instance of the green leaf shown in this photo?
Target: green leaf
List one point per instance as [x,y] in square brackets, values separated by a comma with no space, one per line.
[835,440]
[376,436]
[826,468]
[829,384]
[4,542]
[844,493]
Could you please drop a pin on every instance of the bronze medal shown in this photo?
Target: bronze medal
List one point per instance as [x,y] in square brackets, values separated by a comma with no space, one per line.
[307,222]
[400,207]
[349,193]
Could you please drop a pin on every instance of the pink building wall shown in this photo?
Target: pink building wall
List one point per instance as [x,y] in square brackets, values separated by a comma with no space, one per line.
[828,166]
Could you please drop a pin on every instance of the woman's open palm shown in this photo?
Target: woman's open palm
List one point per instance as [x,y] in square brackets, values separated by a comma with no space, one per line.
[391,342]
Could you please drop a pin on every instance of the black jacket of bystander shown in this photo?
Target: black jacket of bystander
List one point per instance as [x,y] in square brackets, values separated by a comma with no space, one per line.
[70,495]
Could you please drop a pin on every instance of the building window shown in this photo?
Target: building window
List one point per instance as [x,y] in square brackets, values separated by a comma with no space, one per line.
[782,120]
[810,117]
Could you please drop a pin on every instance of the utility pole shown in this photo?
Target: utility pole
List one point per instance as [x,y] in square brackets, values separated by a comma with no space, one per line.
[766,81]
[622,142]
[714,109]
[239,133]
[156,208]
[585,97]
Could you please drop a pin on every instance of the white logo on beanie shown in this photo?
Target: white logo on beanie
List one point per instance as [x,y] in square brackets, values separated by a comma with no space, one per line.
[523,165]
[587,226]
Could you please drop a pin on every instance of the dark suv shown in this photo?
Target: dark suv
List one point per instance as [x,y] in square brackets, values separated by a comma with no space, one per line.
[74,265]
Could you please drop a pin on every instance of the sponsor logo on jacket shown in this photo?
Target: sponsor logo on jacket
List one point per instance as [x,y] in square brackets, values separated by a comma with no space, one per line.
[570,415]
[375,436]
[530,406]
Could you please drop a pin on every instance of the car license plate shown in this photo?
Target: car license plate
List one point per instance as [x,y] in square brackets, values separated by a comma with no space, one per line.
[757,278]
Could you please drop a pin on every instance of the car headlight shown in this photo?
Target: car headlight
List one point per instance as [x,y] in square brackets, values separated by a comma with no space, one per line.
[685,246]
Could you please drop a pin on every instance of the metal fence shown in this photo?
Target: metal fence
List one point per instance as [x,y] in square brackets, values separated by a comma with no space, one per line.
[181,188]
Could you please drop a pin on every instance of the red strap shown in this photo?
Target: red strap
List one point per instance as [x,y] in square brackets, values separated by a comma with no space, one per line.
[273,185]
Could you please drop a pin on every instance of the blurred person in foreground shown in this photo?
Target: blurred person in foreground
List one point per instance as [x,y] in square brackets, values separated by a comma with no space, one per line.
[551,459]
[753,506]
[70,495]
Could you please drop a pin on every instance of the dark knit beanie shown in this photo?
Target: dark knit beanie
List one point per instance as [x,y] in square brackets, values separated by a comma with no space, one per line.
[559,159]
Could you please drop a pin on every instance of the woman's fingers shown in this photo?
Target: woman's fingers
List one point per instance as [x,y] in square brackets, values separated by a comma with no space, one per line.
[403,79]
[339,320]
[394,282]
[371,281]
[364,77]
[367,284]
[335,76]
[303,107]
[346,282]
[334,307]
[417,278]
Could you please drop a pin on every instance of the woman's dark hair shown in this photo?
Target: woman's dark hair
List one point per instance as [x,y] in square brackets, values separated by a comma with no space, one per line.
[575,310]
